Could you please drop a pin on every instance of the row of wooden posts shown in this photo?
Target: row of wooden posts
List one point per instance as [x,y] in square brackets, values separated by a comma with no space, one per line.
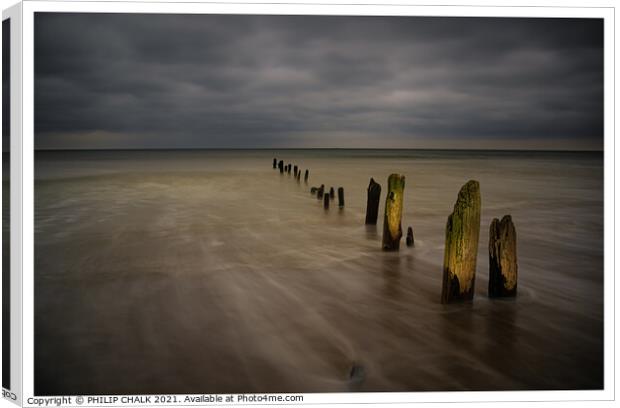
[319,191]
[287,169]
[321,194]
[461,245]
[462,233]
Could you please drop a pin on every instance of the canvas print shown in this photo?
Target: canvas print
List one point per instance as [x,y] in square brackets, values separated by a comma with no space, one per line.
[305,203]
[6,204]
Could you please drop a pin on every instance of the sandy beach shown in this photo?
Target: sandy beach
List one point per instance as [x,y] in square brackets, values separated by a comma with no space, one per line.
[209,272]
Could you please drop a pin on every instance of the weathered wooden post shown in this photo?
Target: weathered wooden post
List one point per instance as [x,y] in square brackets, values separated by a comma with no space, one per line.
[314,190]
[320,192]
[392,230]
[288,168]
[298,176]
[275,163]
[331,193]
[372,205]
[281,166]
[306,176]
[502,258]
[410,241]
[462,232]
[295,171]
[340,197]
[326,201]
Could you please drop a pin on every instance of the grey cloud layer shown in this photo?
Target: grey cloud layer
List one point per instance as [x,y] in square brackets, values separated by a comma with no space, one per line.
[148,81]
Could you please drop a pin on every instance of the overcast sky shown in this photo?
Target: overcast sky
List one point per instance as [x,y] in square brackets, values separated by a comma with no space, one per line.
[224,81]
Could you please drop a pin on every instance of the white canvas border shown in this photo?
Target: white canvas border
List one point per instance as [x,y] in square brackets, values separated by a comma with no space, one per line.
[14,14]
[27,169]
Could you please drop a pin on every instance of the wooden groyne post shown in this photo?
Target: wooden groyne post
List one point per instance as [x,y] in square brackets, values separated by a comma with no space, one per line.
[410,241]
[332,193]
[326,201]
[306,176]
[340,197]
[392,230]
[372,205]
[462,233]
[320,192]
[295,171]
[281,166]
[275,163]
[502,258]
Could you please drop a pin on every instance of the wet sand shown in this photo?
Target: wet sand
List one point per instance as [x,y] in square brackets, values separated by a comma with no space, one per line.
[209,272]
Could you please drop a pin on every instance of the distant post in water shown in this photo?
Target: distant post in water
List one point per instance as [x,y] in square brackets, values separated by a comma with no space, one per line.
[275,163]
[326,201]
[410,241]
[281,166]
[502,258]
[462,232]
[295,170]
[331,193]
[392,230]
[306,176]
[372,205]
[298,176]
[320,192]
[340,197]
[288,168]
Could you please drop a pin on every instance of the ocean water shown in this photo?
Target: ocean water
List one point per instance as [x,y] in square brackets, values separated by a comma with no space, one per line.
[209,272]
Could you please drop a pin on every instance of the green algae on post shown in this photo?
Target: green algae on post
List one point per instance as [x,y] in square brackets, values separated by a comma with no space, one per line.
[372,205]
[392,230]
[502,258]
[462,233]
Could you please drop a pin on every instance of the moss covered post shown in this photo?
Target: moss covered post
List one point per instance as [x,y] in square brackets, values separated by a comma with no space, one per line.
[462,233]
[392,230]
[502,258]
[372,205]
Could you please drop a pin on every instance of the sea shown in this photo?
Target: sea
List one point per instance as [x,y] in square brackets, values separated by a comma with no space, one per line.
[209,271]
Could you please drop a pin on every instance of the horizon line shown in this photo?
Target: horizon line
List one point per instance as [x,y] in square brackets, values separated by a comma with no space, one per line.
[320,148]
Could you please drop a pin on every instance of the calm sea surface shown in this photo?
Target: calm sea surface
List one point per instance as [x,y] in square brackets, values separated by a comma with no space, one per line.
[209,272]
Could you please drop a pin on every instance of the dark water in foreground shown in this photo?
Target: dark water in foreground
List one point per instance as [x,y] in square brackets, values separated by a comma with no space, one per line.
[209,272]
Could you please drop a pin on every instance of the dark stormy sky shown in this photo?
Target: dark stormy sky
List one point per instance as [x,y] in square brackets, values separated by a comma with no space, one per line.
[225,81]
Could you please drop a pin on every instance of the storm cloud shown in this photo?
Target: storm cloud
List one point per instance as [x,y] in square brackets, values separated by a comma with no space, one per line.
[238,81]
